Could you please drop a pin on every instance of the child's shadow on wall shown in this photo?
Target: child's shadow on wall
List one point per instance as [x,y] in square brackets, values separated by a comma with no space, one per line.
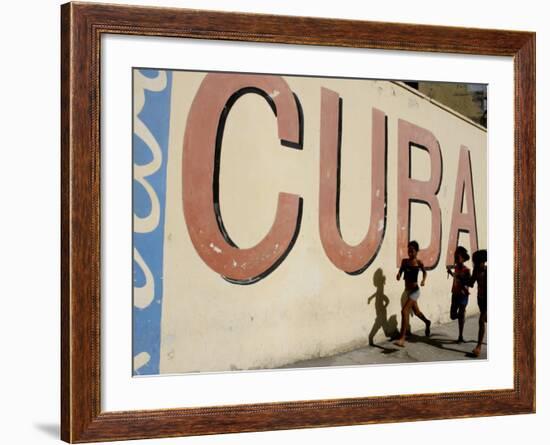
[381,302]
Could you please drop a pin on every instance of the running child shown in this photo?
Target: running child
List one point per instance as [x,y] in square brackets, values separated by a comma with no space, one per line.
[460,290]
[409,268]
[479,274]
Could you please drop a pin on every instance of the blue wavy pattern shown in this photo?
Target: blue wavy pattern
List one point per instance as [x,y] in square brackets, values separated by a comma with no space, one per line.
[146,321]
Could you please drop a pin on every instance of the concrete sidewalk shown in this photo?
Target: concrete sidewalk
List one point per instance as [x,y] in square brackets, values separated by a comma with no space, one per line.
[440,346]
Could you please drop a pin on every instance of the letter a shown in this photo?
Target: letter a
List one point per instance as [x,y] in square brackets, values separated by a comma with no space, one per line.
[464,192]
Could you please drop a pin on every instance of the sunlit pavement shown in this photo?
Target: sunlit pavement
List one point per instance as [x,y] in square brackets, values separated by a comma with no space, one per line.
[440,346]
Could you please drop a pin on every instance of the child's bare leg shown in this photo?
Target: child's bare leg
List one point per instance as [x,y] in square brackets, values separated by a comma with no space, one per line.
[405,313]
[481,333]
[420,315]
[482,324]
[404,322]
[461,320]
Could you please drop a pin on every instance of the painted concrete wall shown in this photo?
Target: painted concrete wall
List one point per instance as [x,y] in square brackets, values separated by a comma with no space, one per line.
[306,307]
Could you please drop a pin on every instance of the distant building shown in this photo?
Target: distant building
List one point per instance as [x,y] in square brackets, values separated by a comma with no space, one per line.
[470,100]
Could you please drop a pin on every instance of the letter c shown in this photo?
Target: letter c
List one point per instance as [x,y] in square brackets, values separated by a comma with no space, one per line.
[200,176]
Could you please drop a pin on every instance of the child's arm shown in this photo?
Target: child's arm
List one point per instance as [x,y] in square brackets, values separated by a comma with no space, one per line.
[450,271]
[473,278]
[424,273]
[401,269]
[467,278]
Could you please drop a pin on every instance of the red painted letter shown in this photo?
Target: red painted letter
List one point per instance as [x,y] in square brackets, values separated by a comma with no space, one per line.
[350,259]
[201,154]
[464,192]
[412,190]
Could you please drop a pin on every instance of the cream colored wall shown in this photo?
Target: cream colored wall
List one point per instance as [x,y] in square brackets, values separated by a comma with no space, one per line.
[306,308]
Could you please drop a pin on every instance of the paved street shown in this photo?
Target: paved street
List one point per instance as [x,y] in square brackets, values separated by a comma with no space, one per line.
[440,346]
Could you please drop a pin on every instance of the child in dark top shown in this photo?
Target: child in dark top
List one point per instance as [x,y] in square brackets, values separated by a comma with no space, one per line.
[410,267]
[479,274]
[460,290]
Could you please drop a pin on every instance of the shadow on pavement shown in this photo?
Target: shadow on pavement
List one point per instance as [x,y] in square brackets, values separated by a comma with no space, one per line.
[384,349]
[440,344]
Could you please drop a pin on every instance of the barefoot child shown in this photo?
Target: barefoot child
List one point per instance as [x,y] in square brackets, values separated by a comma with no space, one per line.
[461,282]
[409,268]
[479,274]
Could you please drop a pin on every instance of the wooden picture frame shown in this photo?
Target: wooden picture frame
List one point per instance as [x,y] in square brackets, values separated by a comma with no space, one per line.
[82,25]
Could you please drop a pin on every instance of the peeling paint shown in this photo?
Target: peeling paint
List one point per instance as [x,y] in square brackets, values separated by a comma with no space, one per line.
[413,103]
[215,248]
[141,360]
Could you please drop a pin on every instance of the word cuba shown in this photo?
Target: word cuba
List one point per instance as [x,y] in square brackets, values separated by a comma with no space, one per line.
[202,146]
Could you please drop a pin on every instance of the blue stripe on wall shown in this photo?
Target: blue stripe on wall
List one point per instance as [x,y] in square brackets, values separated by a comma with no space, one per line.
[146,322]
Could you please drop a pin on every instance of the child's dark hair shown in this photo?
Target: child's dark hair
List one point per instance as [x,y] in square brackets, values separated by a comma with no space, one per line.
[461,250]
[414,245]
[479,256]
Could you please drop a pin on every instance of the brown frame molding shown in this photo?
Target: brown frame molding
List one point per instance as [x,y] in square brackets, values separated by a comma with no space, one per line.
[82,25]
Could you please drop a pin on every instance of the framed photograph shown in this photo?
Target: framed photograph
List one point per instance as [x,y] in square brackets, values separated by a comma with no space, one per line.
[274,222]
